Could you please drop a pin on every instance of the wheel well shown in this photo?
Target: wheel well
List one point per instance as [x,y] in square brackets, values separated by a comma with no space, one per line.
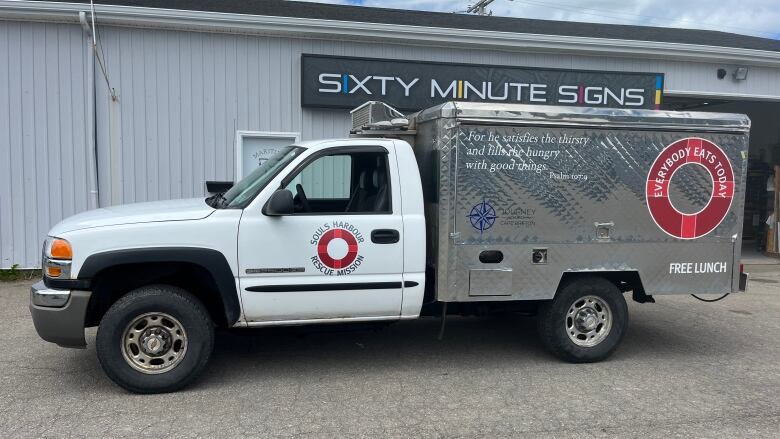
[113,282]
[623,280]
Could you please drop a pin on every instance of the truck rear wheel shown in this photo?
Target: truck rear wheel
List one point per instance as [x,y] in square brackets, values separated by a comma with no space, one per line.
[585,322]
[155,339]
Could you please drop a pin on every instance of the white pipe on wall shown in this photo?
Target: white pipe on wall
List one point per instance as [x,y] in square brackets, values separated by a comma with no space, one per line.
[93,199]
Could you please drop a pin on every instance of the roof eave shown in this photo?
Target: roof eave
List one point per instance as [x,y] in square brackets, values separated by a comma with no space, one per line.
[394,33]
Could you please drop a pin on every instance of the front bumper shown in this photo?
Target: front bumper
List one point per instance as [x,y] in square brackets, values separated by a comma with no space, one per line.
[62,324]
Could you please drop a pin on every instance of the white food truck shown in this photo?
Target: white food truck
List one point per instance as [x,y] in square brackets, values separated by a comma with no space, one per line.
[462,208]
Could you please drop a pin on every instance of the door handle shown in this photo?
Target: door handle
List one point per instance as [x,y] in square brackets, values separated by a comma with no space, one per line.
[385,236]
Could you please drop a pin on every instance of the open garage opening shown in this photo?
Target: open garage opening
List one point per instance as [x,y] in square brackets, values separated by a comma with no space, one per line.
[763,156]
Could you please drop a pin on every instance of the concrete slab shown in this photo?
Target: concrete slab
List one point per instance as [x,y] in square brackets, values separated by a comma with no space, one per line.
[685,369]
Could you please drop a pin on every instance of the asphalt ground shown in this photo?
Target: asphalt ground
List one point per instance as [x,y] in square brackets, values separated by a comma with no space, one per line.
[685,369]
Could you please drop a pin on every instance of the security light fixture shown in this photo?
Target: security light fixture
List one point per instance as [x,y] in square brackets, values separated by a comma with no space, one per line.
[721,73]
[740,74]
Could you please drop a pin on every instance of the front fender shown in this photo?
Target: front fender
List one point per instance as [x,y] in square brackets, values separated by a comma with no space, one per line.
[211,260]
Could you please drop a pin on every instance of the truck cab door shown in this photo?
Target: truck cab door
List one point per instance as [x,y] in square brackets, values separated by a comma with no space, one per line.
[339,255]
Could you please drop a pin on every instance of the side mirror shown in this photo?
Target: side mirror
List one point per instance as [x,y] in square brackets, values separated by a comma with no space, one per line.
[280,203]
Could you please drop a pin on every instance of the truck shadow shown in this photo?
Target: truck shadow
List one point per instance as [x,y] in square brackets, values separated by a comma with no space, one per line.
[382,347]
[412,348]
[484,343]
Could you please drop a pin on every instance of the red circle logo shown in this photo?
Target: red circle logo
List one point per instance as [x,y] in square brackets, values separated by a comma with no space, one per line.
[695,151]
[327,259]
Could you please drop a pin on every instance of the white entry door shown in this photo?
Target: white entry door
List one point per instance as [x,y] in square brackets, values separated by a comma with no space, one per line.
[339,256]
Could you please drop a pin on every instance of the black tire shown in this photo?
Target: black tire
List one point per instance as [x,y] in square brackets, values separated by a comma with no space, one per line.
[553,320]
[175,302]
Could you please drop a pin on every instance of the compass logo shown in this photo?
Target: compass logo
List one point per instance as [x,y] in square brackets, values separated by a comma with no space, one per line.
[482,216]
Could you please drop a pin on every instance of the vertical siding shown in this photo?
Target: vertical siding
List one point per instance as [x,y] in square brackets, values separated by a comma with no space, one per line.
[184,94]
[42,134]
[181,97]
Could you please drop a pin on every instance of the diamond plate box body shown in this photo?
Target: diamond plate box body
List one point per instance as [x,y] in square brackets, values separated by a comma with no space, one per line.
[557,190]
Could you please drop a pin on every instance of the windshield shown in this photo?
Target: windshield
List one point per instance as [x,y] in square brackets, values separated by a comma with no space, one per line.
[245,190]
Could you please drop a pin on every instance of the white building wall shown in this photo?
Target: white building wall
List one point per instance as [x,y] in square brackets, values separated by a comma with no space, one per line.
[43,138]
[182,95]
[181,98]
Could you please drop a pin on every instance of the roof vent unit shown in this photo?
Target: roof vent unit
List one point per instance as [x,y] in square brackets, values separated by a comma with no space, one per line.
[375,115]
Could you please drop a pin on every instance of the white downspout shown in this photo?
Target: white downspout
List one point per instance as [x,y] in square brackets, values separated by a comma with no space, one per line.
[92,168]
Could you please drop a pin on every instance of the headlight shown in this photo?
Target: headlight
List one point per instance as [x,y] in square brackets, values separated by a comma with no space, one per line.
[57,255]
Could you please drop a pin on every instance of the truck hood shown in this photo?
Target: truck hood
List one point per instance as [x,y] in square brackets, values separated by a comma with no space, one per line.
[168,210]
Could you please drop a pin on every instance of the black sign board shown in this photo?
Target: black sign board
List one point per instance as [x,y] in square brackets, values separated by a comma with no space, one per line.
[346,82]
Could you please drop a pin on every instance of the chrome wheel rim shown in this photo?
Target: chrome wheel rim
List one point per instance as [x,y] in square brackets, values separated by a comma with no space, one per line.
[588,321]
[154,343]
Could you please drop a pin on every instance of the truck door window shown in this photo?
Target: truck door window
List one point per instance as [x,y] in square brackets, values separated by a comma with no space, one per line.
[353,183]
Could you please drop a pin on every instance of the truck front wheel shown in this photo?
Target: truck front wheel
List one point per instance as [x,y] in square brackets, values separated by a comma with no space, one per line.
[585,322]
[155,339]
